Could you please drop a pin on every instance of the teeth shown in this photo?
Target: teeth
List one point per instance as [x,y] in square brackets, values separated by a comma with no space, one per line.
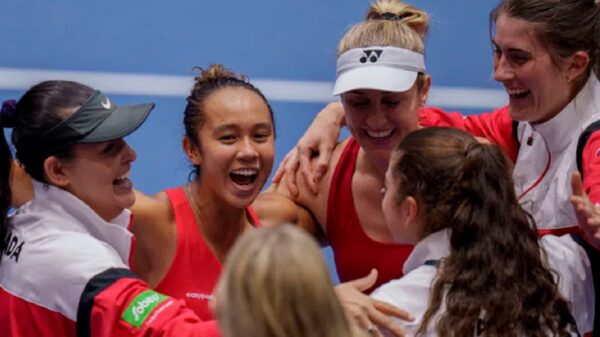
[516,91]
[245,172]
[380,134]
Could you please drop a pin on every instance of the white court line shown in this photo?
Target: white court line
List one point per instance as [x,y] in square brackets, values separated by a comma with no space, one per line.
[276,90]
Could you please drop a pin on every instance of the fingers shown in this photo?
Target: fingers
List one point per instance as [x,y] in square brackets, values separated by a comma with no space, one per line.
[280,171]
[391,310]
[384,321]
[576,184]
[291,166]
[323,161]
[304,156]
[364,283]
[364,316]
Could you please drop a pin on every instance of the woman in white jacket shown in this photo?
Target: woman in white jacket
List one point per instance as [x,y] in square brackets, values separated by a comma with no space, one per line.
[478,266]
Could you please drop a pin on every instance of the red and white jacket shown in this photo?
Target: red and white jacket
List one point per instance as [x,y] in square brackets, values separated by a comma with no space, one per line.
[544,155]
[65,273]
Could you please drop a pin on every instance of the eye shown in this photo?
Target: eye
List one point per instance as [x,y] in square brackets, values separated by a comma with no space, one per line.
[391,102]
[519,58]
[227,138]
[261,136]
[112,147]
[359,104]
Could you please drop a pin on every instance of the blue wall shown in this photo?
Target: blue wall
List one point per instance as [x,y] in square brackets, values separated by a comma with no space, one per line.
[264,39]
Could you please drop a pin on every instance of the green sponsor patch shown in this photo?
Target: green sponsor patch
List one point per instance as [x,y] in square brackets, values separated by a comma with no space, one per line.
[141,306]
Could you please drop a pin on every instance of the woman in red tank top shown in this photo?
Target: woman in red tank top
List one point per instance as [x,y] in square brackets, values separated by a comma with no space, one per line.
[382,83]
[183,234]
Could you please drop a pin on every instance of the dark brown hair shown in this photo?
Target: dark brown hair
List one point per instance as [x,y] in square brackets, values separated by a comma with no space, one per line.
[42,107]
[215,77]
[564,26]
[495,273]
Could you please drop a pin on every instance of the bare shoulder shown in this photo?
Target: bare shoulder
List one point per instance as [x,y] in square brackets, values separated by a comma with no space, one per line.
[156,236]
[151,210]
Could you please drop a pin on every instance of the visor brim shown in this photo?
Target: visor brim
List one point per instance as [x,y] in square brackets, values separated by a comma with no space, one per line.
[375,77]
[122,121]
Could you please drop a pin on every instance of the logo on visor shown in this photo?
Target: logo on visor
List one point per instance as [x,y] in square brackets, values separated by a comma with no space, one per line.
[371,55]
[106,105]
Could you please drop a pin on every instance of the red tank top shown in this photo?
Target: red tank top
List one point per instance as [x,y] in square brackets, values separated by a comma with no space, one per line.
[195,270]
[355,253]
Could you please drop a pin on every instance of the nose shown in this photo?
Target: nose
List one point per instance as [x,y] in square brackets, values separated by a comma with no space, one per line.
[247,150]
[376,117]
[502,70]
[129,154]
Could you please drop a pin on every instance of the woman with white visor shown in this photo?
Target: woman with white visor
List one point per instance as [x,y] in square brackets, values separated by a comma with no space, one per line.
[382,83]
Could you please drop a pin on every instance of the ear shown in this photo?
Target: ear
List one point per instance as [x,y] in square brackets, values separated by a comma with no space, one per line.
[577,64]
[192,151]
[412,211]
[55,172]
[424,92]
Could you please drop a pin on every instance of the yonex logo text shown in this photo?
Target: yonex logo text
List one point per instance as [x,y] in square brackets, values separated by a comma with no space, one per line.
[371,55]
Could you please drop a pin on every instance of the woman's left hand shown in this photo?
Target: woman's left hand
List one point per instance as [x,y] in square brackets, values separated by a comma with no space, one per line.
[588,214]
[368,313]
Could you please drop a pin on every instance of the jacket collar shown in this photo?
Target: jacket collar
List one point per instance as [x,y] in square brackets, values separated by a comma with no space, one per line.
[435,246]
[560,131]
[69,213]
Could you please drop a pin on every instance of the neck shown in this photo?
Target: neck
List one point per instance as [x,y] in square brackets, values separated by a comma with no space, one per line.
[220,223]
[373,164]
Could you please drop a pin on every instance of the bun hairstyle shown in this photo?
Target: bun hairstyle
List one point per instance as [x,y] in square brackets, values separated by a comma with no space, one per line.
[393,10]
[210,80]
[388,23]
[495,274]
[564,26]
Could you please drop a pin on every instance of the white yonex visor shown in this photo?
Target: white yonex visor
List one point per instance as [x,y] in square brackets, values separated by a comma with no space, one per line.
[381,68]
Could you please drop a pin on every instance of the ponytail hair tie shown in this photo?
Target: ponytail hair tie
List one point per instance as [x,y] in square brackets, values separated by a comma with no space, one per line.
[7,113]
[396,17]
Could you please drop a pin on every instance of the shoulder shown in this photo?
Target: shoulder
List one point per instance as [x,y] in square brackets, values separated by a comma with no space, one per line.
[150,213]
[52,270]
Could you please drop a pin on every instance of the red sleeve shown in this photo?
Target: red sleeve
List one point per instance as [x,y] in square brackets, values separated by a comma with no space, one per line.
[117,303]
[591,167]
[495,126]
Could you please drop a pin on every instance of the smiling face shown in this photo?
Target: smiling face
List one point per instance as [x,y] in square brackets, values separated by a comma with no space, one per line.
[379,120]
[538,86]
[237,146]
[97,173]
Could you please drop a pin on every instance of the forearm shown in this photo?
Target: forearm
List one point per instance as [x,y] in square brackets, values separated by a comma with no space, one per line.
[275,209]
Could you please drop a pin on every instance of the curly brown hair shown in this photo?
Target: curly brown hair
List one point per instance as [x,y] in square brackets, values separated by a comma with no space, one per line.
[495,277]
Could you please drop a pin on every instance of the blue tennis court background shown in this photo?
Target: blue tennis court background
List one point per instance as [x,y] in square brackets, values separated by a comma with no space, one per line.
[264,39]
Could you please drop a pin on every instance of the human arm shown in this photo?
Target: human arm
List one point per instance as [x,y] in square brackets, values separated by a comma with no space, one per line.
[275,208]
[153,226]
[322,135]
[495,126]
[318,141]
[116,303]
